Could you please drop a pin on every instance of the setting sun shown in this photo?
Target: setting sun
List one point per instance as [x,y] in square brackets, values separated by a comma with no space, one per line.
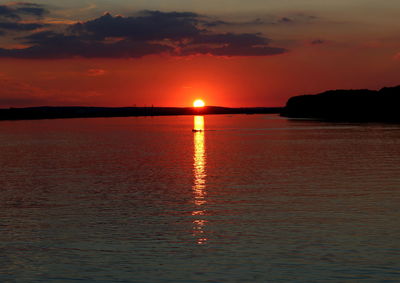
[198,103]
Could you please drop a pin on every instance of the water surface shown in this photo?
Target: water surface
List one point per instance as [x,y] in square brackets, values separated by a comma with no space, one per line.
[251,198]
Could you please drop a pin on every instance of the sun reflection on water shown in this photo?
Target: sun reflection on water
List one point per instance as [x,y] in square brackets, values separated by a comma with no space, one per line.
[199,184]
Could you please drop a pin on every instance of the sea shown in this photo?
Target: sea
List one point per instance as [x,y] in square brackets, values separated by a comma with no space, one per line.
[217,198]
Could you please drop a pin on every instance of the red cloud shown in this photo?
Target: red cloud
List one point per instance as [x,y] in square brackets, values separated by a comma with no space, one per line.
[96,72]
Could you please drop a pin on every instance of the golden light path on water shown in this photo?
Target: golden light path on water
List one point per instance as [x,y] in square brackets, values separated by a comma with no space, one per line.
[199,184]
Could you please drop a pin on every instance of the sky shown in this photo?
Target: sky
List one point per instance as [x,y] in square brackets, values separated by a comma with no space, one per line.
[230,53]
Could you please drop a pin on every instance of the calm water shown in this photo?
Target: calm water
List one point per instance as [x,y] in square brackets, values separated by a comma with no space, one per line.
[251,199]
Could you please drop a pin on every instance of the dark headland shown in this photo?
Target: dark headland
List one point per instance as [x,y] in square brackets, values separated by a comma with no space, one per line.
[347,106]
[56,112]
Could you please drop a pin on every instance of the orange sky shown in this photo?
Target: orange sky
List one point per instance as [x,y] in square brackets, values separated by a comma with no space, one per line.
[326,53]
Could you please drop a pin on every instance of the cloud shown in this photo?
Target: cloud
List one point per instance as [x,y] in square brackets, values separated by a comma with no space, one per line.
[15,26]
[11,16]
[17,10]
[96,72]
[285,20]
[7,12]
[147,33]
[317,41]
[215,23]
[247,39]
[151,25]
[30,9]
[267,20]
[51,45]
[230,44]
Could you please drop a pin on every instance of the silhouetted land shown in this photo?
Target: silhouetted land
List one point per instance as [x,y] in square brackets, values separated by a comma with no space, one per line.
[33,113]
[347,105]
[334,105]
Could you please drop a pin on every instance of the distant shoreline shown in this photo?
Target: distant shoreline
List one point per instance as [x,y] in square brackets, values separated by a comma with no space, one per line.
[334,105]
[60,112]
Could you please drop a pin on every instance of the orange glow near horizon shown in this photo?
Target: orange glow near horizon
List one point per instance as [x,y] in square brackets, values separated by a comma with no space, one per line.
[180,82]
[198,103]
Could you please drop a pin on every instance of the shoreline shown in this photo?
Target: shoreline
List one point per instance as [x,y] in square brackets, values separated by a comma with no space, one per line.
[69,112]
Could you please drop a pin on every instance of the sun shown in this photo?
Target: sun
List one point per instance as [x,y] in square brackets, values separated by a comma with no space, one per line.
[198,103]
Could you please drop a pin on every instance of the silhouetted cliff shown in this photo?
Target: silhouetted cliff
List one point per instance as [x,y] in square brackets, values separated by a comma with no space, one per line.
[347,105]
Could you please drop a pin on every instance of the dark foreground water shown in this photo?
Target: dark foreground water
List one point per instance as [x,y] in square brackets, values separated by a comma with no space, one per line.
[251,199]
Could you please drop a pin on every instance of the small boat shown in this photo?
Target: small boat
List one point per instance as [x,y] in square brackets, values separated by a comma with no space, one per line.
[196,131]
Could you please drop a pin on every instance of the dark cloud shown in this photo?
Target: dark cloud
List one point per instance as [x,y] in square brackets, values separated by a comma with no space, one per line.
[31,9]
[56,45]
[17,10]
[285,20]
[231,44]
[268,20]
[15,26]
[317,41]
[246,39]
[151,25]
[215,23]
[159,14]
[8,12]
[11,17]
[150,32]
